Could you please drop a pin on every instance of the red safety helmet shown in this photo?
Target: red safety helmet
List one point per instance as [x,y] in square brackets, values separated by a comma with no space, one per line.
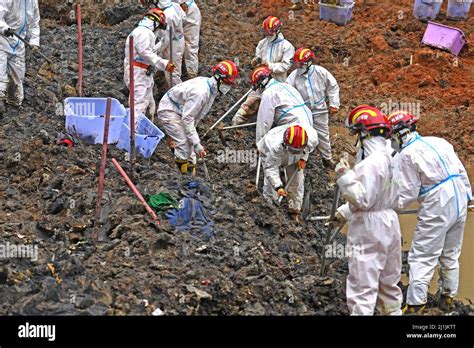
[303,57]
[401,119]
[259,75]
[272,25]
[157,16]
[227,71]
[368,119]
[296,138]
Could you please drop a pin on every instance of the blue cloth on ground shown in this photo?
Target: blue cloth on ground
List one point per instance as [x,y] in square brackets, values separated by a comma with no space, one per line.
[192,216]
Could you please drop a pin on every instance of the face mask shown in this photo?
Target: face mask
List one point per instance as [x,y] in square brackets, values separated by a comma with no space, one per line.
[301,71]
[395,143]
[295,151]
[224,89]
[272,37]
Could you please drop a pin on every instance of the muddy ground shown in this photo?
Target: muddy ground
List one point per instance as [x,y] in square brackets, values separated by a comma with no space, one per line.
[259,261]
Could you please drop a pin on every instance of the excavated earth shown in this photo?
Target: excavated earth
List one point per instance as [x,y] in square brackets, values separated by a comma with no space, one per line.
[259,262]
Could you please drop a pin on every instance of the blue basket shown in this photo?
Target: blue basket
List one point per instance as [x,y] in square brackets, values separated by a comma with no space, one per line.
[147,136]
[85,117]
[340,15]
[458,9]
[427,10]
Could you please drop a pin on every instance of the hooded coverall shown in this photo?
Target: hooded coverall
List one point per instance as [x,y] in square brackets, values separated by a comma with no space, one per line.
[275,155]
[277,52]
[144,40]
[430,171]
[180,110]
[314,86]
[374,232]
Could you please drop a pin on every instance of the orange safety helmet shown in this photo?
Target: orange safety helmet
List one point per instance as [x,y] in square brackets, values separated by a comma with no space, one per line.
[259,75]
[303,57]
[401,119]
[366,118]
[227,71]
[272,25]
[296,138]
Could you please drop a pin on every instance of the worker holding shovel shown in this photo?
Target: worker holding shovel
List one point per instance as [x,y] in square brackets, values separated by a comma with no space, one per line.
[145,61]
[374,229]
[273,52]
[288,147]
[18,19]
[430,172]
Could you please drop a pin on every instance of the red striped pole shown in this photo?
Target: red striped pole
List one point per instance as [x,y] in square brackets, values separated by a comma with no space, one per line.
[135,190]
[132,100]
[79,34]
[104,158]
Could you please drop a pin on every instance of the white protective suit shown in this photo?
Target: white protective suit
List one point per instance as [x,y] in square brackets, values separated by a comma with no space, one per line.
[275,155]
[180,110]
[429,171]
[374,232]
[144,41]
[23,17]
[175,18]
[281,105]
[277,53]
[192,27]
[314,86]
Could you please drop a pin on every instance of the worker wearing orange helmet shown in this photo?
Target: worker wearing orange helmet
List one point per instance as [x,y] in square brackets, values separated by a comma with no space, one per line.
[374,229]
[275,52]
[288,147]
[316,84]
[430,172]
[145,60]
[184,105]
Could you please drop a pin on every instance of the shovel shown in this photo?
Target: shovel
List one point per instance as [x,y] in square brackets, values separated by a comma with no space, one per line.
[30,47]
[329,235]
[287,186]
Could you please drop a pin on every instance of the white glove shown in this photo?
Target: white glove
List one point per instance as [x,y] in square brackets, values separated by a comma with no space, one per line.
[342,168]
[238,119]
[200,150]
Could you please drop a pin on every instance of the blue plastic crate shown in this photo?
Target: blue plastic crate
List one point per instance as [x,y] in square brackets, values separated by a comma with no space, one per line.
[458,9]
[147,136]
[85,117]
[427,10]
[340,15]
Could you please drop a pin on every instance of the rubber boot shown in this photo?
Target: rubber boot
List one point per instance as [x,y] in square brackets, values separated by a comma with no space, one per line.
[413,309]
[192,168]
[182,165]
[2,107]
[445,303]
[329,164]
[295,215]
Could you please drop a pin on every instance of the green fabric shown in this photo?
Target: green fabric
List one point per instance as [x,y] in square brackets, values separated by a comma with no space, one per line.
[162,201]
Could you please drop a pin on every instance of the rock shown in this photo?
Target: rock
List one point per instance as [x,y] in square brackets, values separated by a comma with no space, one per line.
[379,43]
[57,206]
[70,91]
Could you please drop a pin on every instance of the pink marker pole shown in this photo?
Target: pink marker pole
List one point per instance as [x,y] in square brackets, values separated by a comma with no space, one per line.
[79,36]
[135,190]
[132,100]
[104,158]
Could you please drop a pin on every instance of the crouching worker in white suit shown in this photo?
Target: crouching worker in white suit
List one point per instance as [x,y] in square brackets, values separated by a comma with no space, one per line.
[288,147]
[184,105]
